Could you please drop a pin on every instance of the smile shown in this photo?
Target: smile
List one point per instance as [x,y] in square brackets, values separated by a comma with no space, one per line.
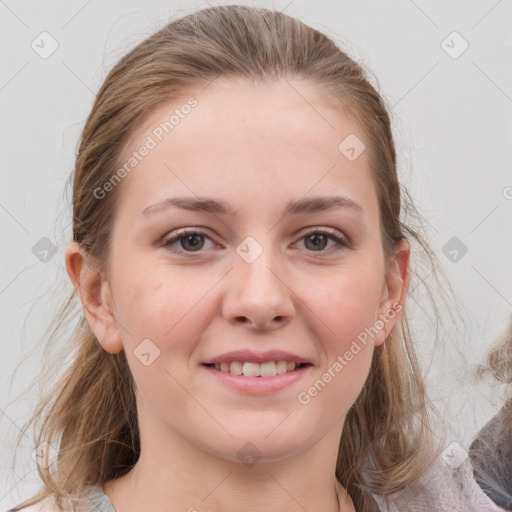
[251,369]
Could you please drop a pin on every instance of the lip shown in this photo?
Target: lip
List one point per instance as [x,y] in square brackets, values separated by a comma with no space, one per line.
[254,357]
[258,385]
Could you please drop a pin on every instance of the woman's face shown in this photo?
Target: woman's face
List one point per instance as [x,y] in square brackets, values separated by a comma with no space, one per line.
[283,261]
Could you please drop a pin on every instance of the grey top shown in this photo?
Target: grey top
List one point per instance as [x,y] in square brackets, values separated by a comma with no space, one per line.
[95,501]
[100,501]
[446,487]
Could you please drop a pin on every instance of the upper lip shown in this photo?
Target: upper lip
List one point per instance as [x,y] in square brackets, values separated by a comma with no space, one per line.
[253,357]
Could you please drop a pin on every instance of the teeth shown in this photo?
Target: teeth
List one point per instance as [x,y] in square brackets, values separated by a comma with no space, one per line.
[247,369]
[236,368]
[281,367]
[251,370]
[268,369]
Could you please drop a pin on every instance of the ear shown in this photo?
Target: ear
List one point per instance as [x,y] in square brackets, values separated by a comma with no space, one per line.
[394,291]
[96,297]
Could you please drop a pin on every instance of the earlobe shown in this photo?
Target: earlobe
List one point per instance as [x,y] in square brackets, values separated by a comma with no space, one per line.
[395,290]
[95,296]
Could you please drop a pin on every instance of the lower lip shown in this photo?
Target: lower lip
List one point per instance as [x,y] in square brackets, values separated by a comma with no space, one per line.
[258,385]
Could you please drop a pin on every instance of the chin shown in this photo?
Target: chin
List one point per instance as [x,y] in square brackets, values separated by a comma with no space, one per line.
[257,445]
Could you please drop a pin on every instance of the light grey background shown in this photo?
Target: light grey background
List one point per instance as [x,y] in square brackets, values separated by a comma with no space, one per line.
[452,123]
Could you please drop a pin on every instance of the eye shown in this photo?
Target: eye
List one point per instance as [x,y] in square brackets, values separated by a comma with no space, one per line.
[317,240]
[191,240]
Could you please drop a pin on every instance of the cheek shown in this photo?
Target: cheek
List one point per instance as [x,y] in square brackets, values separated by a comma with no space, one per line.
[347,304]
[344,308]
[167,308]
[162,316]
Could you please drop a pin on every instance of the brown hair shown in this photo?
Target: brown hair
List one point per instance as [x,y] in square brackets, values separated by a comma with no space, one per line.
[499,358]
[90,412]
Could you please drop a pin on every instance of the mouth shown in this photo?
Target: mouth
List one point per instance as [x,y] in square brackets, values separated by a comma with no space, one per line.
[254,369]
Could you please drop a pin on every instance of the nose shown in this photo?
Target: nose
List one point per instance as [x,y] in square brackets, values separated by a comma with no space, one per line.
[258,295]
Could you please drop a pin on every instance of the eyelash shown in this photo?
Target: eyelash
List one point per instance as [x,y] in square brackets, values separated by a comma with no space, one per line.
[330,233]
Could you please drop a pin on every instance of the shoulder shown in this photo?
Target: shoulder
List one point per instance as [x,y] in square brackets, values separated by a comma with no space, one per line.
[446,486]
[93,500]
[46,505]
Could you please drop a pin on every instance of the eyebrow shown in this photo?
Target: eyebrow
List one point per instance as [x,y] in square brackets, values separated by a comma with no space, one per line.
[220,207]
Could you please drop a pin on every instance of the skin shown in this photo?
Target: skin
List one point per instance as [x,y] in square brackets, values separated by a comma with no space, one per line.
[256,147]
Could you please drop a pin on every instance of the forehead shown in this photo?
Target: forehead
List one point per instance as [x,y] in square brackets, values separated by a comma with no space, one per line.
[280,111]
[277,138]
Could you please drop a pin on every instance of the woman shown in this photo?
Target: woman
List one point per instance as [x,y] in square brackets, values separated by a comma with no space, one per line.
[242,268]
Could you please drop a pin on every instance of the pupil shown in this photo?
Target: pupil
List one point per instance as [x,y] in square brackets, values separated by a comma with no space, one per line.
[316,237]
[194,239]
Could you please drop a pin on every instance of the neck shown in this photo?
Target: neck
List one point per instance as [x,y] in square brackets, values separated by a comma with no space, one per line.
[181,477]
